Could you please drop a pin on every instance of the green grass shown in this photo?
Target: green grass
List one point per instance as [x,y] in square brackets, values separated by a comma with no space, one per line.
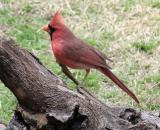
[127,31]
[7,103]
[156,4]
[128,4]
[152,78]
[147,47]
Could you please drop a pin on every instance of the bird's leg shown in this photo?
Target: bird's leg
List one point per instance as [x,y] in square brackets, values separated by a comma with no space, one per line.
[68,74]
[80,86]
[87,72]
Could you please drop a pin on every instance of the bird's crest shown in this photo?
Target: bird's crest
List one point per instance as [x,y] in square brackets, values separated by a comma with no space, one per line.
[57,19]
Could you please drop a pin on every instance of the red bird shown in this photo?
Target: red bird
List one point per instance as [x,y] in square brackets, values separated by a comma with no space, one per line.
[72,52]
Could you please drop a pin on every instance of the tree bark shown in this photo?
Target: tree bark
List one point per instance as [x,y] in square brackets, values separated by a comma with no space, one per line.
[45,102]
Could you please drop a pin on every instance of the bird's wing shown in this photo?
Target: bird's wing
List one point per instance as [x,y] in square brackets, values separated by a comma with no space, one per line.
[78,51]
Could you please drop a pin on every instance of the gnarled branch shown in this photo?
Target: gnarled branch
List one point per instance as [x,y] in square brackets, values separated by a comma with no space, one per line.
[46,103]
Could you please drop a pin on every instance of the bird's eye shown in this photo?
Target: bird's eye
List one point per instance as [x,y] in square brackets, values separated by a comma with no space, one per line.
[51,29]
[49,26]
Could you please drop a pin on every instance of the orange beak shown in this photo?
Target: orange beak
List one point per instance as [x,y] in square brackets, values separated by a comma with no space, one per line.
[45,28]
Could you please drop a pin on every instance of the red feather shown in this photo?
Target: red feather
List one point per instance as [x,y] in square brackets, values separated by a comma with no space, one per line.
[75,53]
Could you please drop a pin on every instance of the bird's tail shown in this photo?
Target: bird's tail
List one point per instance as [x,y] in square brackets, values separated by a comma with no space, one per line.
[109,74]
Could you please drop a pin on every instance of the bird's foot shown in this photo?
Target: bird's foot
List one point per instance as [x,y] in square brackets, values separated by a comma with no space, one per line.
[79,86]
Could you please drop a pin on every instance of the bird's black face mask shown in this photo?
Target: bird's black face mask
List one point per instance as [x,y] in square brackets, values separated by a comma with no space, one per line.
[51,30]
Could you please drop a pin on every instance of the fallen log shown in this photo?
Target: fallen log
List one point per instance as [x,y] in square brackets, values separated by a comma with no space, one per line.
[45,102]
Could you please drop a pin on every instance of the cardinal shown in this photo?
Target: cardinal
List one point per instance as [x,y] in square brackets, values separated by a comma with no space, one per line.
[75,53]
